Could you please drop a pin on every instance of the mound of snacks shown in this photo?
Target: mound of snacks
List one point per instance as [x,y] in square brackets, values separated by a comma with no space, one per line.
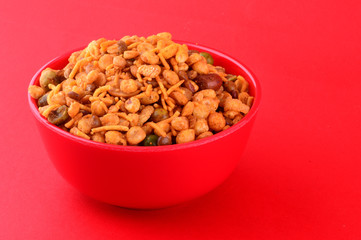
[141,91]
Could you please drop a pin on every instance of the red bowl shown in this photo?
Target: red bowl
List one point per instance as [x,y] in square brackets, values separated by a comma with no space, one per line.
[148,177]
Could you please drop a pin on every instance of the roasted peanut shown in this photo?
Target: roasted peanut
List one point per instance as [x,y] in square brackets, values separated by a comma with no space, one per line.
[193,58]
[188,109]
[204,135]
[149,57]
[169,51]
[132,104]
[88,122]
[152,98]
[130,54]
[201,126]
[170,76]
[209,81]
[182,53]
[201,67]
[180,98]
[180,123]
[235,105]
[36,91]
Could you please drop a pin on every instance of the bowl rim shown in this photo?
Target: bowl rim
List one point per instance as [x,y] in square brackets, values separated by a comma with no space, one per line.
[250,115]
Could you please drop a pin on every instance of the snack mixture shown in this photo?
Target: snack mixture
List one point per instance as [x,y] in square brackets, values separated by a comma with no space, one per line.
[141,91]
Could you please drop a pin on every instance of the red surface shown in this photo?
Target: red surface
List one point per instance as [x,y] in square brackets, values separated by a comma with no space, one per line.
[148,177]
[300,175]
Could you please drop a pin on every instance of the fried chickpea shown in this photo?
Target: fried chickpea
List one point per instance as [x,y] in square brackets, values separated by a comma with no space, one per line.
[188,109]
[84,124]
[98,137]
[132,105]
[216,121]
[36,91]
[211,103]
[223,97]
[98,108]
[201,126]
[115,137]
[101,80]
[230,114]
[201,111]
[59,98]
[180,123]
[128,86]
[237,118]
[133,119]
[149,57]
[185,136]
[135,135]
[154,97]
[201,67]
[147,129]
[204,135]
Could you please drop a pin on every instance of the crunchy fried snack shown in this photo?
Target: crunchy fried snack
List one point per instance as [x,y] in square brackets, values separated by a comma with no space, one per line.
[147,91]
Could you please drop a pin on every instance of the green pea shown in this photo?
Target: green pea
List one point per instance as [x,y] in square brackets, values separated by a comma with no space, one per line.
[159,115]
[208,57]
[59,115]
[49,76]
[43,101]
[151,140]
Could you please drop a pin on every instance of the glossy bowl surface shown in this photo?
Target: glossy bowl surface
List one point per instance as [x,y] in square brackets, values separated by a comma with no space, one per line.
[148,177]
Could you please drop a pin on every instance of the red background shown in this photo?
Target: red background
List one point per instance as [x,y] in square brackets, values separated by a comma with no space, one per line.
[300,175]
